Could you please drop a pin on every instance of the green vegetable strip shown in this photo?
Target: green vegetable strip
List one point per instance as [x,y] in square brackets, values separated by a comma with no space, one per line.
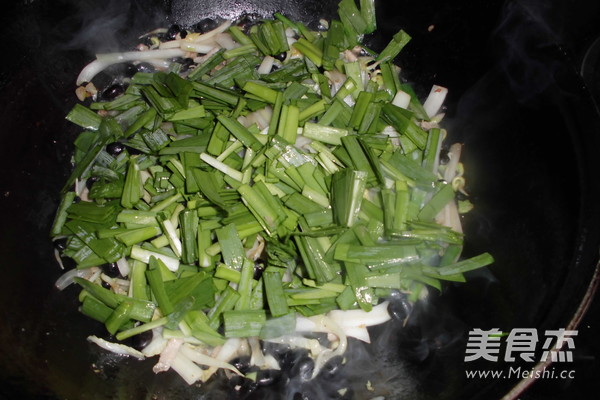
[141,328]
[240,132]
[109,249]
[172,237]
[313,257]
[200,328]
[367,10]
[130,101]
[434,235]
[312,52]
[245,286]
[325,134]
[226,302]
[218,140]
[101,214]
[268,218]
[356,276]
[280,326]
[290,129]
[390,280]
[373,160]
[334,42]
[61,214]
[311,294]
[364,235]
[332,287]
[224,168]
[278,28]
[390,77]
[347,89]
[246,323]
[335,108]
[315,196]
[212,93]
[393,48]
[413,170]
[189,231]
[360,109]
[133,189]
[392,172]
[466,265]
[144,119]
[138,283]
[107,130]
[451,255]
[239,51]
[346,300]
[301,204]
[231,246]
[164,105]
[133,236]
[357,155]
[95,309]
[239,36]
[274,291]
[401,121]
[118,317]
[143,255]
[394,251]
[157,286]
[259,40]
[143,218]
[194,284]
[312,111]
[272,201]
[437,203]
[141,310]
[401,206]
[262,91]
[229,274]
[319,218]
[388,197]
[351,17]
[282,120]
[371,123]
[347,189]
[277,109]
[163,204]
[257,301]
[179,311]
[84,117]
[432,149]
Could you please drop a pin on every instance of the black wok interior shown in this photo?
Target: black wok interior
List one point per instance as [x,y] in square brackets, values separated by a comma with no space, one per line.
[517,102]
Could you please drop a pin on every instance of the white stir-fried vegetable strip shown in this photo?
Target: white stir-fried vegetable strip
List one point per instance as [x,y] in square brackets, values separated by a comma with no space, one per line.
[105,60]
[116,348]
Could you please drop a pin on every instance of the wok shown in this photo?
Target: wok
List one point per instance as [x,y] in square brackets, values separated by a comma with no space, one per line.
[517,101]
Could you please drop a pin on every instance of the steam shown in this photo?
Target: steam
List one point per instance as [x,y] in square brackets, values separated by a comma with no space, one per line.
[109,26]
[99,32]
[529,46]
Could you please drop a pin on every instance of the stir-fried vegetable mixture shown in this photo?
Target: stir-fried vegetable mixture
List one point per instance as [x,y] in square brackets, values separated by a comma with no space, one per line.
[255,184]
